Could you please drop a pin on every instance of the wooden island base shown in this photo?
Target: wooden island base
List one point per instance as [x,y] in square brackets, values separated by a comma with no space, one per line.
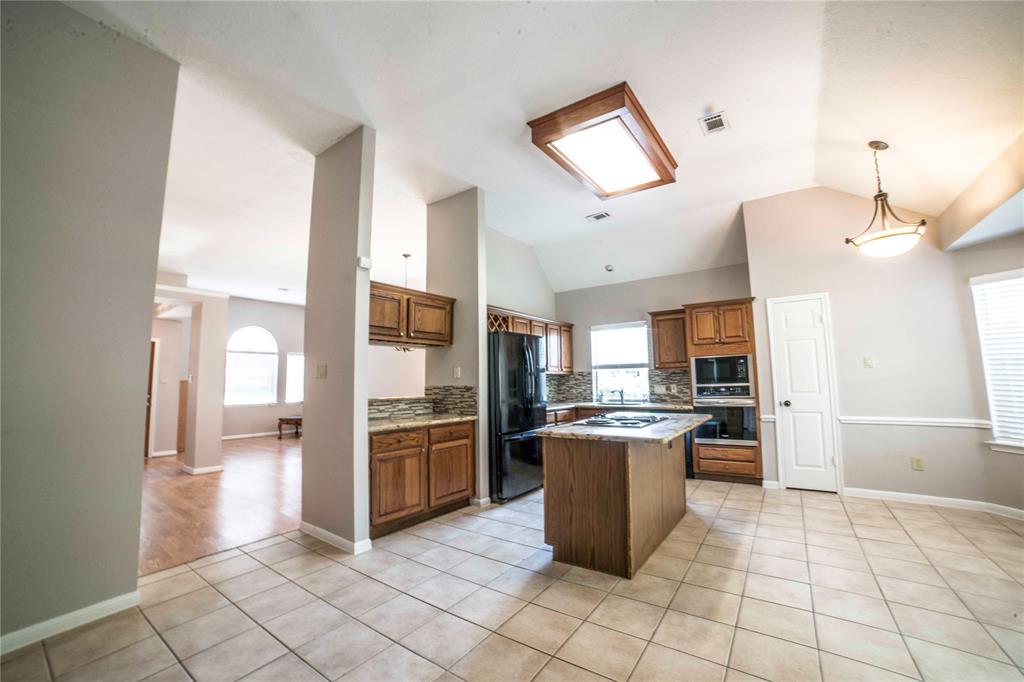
[609,504]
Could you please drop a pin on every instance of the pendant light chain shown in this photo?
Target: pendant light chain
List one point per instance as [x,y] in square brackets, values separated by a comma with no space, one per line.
[878,173]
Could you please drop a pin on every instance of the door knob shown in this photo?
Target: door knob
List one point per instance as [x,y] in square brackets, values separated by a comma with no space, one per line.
[786,403]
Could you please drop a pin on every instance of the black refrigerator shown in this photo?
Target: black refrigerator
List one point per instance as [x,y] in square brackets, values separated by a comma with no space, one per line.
[518,407]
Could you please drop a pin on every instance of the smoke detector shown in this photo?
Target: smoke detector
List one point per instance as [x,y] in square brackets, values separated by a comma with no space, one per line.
[714,123]
[595,217]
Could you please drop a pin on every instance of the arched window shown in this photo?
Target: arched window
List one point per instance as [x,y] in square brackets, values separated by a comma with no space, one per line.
[250,376]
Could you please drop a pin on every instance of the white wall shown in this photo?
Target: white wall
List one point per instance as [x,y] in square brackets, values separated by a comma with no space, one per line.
[515,278]
[86,127]
[912,314]
[631,301]
[170,372]
[399,226]
[285,322]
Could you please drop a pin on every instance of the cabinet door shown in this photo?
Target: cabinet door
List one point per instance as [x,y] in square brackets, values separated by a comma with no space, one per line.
[398,485]
[565,337]
[732,323]
[520,325]
[538,328]
[429,319]
[451,471]
[554,345]
[703,325]
[668,332]
[387,315]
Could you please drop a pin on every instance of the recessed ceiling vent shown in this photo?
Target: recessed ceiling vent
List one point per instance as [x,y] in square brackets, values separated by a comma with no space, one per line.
[714,123]
[595,217]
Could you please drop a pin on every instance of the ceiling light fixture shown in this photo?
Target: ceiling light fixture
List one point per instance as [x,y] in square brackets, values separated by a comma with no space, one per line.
[896,235]
[607,142]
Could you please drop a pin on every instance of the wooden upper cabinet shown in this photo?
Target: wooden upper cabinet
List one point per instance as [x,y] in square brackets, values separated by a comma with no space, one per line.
[554,348]
[720,328]
[538,328]
[703,326]
[565,337]
[521,325]
[668,339]
[398,484]
[732,323]
[409,317]
[387,314]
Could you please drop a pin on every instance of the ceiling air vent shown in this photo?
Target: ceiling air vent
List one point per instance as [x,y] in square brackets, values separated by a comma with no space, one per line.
[595,217]
[714,123]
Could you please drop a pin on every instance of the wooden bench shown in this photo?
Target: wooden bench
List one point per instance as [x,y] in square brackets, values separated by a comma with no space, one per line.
[294,420]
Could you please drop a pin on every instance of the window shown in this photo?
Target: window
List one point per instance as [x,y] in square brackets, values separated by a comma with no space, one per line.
[294,377]
[250,376]
[999,308]
[619,358]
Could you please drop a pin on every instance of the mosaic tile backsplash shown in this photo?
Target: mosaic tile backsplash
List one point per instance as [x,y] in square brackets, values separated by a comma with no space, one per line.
[399,408]
[578,387]
[454,399]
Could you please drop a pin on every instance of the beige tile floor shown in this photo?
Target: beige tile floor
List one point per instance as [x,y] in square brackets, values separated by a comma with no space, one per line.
[778,585]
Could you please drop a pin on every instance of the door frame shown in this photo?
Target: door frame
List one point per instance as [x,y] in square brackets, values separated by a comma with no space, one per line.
[830,368]
[154,379]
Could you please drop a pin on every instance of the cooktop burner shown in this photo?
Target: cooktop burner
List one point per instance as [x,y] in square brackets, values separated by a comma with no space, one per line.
[629,420]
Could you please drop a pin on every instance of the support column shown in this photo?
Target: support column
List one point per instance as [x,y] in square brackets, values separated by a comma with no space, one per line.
[457,267]
[335,448]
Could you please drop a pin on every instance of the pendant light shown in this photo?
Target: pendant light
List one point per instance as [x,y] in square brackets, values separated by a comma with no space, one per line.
[406,256]
[895,235]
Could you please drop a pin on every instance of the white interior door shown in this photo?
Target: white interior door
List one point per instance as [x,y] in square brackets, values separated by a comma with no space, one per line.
[803,392]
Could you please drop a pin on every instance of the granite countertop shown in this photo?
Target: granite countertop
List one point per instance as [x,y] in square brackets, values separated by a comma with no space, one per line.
[661,432]
[418,422]
[613,407]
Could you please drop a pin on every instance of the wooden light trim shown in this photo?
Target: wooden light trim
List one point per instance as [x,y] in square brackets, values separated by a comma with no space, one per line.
[618,101]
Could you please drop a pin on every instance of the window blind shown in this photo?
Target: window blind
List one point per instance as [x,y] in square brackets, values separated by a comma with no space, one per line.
[999,308]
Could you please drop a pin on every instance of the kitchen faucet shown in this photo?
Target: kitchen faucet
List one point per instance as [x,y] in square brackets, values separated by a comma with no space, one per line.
[622,396]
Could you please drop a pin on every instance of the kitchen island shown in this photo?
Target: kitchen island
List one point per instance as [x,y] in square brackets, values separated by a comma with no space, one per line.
[612,494]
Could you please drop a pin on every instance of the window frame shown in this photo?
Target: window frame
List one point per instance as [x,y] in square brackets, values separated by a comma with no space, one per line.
[998,442]
[645,365]
[276,367]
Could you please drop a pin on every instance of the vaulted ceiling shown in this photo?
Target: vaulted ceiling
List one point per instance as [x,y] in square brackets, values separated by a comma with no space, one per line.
[450,86]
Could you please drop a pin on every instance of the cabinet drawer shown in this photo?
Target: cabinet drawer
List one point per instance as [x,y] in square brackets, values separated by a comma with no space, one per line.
[731,454]
[441,434]
[552,417]
[715,466]
[396,440]
[564,416]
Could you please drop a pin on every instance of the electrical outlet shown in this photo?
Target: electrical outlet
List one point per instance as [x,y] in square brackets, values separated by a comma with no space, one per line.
[917,464]
[321,371]
[456,372]
[660,389]
[673,388]
[869,362]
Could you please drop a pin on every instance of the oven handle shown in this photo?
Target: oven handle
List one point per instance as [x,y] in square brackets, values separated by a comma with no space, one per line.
[724,402]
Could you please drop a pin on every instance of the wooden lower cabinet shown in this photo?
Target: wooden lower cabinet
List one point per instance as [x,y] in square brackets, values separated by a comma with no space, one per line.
[419,473]
[738,461]
[564,416]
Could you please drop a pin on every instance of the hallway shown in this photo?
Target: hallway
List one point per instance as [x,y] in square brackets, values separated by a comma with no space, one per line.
[185,517]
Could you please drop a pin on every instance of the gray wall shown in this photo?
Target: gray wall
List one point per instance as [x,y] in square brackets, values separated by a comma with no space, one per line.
[86,132]
[913,315]
[335,471]
[515,278]
[631,301]
[285,322]
[170,372]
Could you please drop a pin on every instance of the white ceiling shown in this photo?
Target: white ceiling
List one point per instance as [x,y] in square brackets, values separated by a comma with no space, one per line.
[449,87]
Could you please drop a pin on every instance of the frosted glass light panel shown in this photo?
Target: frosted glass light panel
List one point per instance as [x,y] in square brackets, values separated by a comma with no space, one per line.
[250,373]
[609,155]
[294,379]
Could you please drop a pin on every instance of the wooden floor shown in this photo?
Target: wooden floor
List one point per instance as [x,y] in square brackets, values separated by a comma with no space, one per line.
[184,517]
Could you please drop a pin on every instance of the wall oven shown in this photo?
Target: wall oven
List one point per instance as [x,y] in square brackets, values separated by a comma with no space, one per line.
[723,386]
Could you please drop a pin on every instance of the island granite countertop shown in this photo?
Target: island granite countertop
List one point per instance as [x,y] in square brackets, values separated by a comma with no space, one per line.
[660,432]
[614,407]
[418,422]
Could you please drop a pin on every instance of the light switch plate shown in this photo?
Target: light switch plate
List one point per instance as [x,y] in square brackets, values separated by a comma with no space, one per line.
[869,362]
[917,464]
[321,371]
[456,372]
[364,262]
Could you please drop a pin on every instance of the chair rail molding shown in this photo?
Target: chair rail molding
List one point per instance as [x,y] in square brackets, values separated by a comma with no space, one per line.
[947,422]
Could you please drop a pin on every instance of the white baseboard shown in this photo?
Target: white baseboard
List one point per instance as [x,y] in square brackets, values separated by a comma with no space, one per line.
[956,502]
[336,540]
[770,485]
[239,436]
[164,453]
[201,470]
[479,501]
[68,621]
